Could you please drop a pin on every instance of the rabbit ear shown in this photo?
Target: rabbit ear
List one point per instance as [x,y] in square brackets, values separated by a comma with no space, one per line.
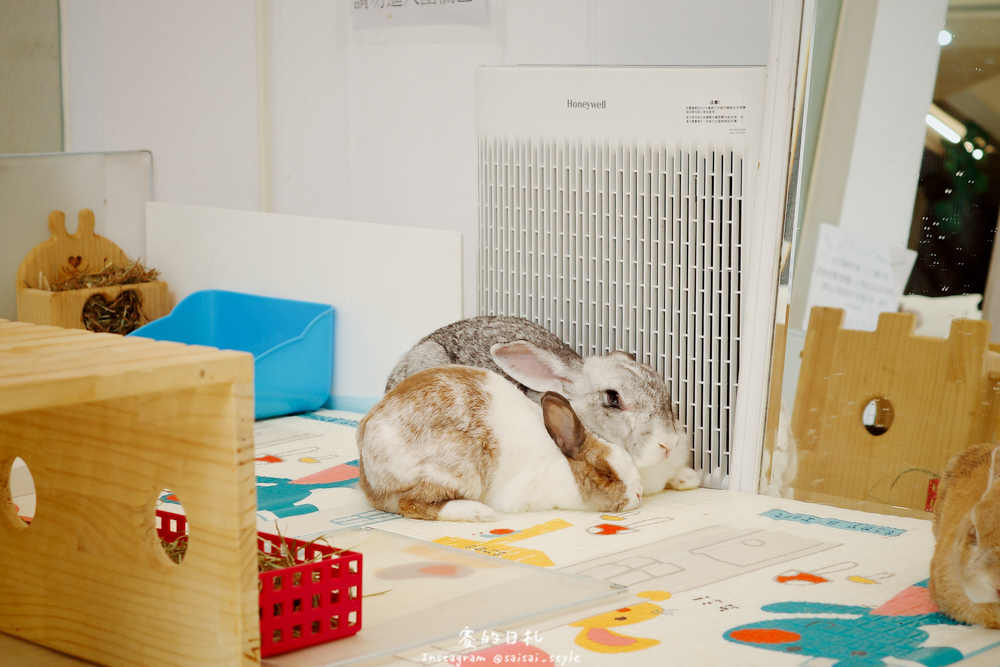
[532,366]
[563,425]
[994,468]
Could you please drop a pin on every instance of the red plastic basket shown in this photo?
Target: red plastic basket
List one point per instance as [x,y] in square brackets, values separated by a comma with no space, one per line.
[311,603]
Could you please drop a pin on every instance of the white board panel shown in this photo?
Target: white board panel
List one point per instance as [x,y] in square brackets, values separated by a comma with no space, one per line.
[390,286]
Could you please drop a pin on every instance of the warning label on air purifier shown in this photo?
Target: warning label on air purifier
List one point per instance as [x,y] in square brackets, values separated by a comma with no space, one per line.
[717,112]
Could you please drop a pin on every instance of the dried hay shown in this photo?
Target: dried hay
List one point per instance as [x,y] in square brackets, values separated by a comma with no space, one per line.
[121,316]
[112,274]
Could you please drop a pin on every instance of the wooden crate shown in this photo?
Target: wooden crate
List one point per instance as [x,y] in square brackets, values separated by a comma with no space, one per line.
[82,251]
[104,424]
[937,397]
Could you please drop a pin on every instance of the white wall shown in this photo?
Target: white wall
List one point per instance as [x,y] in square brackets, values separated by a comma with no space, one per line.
[309,120]
[31,119]
[889,147]
[366,125]
[178,79]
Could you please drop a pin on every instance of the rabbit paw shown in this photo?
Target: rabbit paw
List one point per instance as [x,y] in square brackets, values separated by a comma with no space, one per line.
[685,480]
[466,510]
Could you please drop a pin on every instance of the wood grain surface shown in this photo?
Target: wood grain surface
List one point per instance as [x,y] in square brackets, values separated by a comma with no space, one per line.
[104,424]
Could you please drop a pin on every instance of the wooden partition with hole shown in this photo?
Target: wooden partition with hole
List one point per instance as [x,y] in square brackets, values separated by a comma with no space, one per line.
[82,252]
[104,423]
[877,415]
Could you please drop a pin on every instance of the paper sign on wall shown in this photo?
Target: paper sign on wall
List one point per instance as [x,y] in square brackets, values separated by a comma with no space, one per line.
[862,276]
[372,14]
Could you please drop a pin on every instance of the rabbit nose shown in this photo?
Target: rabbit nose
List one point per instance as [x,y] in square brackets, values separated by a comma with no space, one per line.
[666,450]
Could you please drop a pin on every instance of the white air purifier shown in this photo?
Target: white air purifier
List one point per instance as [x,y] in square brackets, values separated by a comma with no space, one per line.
[614,206]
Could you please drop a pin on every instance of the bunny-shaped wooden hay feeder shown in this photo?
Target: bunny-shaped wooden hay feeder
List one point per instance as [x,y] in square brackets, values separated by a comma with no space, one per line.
[114,308]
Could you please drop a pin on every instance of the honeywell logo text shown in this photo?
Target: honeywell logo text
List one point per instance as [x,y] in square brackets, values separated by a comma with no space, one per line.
[574,104]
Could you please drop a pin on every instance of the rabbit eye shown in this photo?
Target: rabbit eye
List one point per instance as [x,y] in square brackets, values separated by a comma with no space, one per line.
[614,400]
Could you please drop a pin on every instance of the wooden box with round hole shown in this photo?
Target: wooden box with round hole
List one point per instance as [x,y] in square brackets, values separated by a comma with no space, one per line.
[104,423]
[878,414]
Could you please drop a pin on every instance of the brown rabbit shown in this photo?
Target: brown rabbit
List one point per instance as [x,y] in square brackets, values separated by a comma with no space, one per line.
[461,444]
[965,569]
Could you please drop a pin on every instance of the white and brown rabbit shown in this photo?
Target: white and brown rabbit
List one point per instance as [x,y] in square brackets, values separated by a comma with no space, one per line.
[460,443]
[624,401]
[965,569]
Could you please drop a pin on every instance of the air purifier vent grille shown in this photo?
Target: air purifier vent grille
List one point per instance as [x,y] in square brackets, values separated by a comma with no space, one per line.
[625,246]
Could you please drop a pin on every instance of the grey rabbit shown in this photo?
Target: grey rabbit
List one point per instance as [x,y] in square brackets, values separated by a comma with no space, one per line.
[616,397]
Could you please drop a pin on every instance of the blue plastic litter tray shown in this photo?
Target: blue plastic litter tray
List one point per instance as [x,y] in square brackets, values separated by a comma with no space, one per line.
[291,343]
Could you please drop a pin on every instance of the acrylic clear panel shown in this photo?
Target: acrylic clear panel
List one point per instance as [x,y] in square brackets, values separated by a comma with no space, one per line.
[115,186]
[417,593]
[867,410]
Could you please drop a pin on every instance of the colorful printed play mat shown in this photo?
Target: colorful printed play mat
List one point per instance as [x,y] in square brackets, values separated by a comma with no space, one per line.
[700,577]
